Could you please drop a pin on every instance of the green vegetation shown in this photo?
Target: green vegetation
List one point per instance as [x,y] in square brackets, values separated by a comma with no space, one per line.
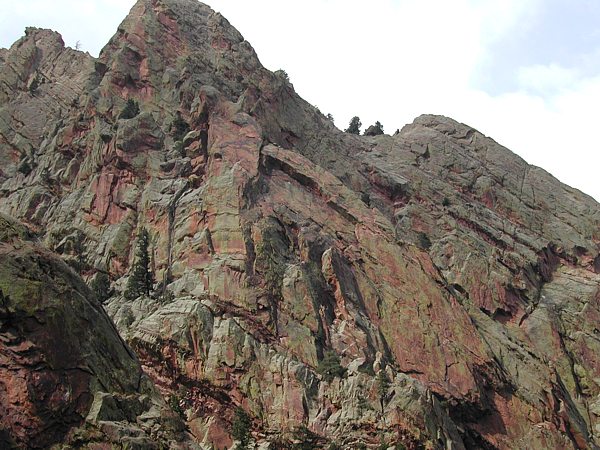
[34,85]
[100,286]
[354,126]
[305,439]
[175,405]
[283,74]
[363,405]
[179,127]
[141,277]
[24,167]
[374,130]
[240,428]
[330,367]
[423,241]
[131,109]
[383,385]
[379,127]
[166,297]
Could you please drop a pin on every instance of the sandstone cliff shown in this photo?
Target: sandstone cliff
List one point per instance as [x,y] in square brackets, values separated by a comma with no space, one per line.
[66,375]
[436,257]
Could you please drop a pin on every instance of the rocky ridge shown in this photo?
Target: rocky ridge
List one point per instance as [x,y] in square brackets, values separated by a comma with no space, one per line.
[436,256]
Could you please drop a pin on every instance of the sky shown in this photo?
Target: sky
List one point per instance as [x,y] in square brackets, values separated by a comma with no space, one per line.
[523,72]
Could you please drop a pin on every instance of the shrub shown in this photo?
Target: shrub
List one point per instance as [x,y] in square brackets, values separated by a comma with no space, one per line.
[179,127]
[423,241]
[374,130]
[283,74]
[141,278]
[45,177]
[354,126]
[100,286]
[166,297]
[34,85]
[329,367]
[363,405]
[24,167]
[445,202]
[383,384]
[131,109]
[175,404]
[306,439]
[240,428]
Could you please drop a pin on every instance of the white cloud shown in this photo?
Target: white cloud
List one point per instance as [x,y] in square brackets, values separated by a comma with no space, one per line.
[396,60]
[391,60]
[557,133]
[545,79]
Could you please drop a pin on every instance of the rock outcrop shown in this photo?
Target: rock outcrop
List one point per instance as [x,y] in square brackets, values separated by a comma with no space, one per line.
[456,285]
[66,376]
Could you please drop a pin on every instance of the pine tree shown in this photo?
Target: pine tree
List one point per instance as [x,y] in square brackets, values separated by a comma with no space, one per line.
[179,127]
[330,366]
[100,285]
[423,241]
[374,130]
[141,278]
[354,127]
[240,428]
[383,384]
[131,109]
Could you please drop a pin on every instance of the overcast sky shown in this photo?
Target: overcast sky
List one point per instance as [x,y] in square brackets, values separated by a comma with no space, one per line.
[524,72]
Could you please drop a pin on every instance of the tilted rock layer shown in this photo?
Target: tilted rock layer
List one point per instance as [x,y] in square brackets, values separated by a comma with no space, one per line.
[435,259]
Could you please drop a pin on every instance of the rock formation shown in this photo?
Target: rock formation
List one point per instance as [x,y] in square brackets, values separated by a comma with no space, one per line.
[457,286]
[66,375]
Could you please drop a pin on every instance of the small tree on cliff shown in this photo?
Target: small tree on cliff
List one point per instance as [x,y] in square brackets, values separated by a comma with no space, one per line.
[354,127]
[240,428]
[179,127]
[131,109]
[383,384]
[100,285]
[374,130]
[141,278]
[330,367]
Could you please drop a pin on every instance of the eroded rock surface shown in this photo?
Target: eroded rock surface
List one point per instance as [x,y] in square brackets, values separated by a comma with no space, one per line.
[65,373]
[435,257]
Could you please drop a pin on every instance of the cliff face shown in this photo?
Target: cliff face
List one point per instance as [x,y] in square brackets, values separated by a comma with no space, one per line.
[435,259]
[66,375]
